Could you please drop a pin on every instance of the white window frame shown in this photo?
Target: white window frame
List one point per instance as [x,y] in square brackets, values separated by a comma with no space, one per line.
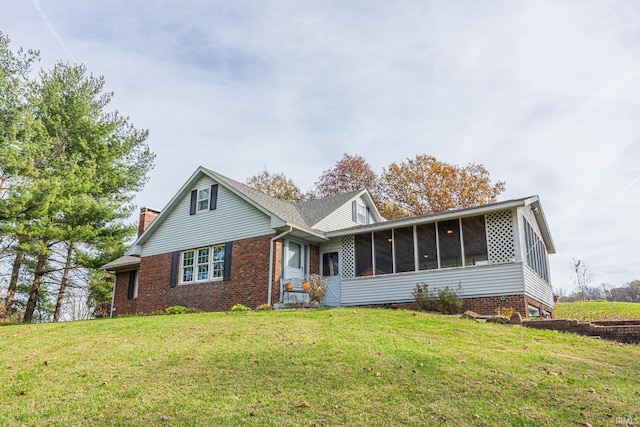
[202,203]
[135,285]
[361,213]
[214,264]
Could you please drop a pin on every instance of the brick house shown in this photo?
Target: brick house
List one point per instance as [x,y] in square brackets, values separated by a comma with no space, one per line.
[219,242]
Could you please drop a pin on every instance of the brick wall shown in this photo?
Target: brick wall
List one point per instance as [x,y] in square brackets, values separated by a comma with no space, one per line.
[628,332]
[277,271]
[314,259]
[488,305]
[121,304]
[248,284]
[485,305]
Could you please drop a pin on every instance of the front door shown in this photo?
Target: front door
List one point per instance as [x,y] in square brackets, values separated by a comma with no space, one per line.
[294,271]
[330,269]
[294,260]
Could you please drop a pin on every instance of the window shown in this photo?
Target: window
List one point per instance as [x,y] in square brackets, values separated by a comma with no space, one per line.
[294,255]
[132,291]
[203,199]
[438,245]
[427,247]
[403,245]
[536,252]
[330,264]
[199,265]
[383,244]
[475,240]
[449,243]
[203,264]
[362,214]
[364,261]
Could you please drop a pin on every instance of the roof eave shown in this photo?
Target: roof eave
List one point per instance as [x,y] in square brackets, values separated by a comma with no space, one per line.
[440,216]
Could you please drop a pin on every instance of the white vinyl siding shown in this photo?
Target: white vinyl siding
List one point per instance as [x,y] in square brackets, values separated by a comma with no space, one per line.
[537,288]
[334,244]
[233,219]
[477,281]
[341,217]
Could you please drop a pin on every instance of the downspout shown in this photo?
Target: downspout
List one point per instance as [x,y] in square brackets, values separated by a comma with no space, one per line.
[279,236]
[113,296]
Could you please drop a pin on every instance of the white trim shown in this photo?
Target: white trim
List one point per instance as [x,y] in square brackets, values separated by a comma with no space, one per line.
[270,285]
[210,264]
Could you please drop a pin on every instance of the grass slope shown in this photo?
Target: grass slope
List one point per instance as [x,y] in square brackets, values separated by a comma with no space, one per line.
[351,367]
[597,310]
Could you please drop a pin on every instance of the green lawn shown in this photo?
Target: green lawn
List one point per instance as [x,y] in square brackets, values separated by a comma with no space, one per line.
[597,310]
[352,367]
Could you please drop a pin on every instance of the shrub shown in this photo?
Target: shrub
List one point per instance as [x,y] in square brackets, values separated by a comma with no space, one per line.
[425,297]
[317,288]
[445,300]
[448,301]
[264,307]
[240,308]
[504,311]
[176,309]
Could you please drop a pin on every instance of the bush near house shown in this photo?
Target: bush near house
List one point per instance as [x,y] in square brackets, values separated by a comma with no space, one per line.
[444,300]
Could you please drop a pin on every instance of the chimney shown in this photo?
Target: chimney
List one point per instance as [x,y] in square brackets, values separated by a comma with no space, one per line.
[147,215]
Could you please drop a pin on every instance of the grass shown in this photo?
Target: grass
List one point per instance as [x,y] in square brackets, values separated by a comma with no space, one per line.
[597,310]
[355,367]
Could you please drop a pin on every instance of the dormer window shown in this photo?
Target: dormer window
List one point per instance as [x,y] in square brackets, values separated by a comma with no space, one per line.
[359,213]
[204,199]
[362,214]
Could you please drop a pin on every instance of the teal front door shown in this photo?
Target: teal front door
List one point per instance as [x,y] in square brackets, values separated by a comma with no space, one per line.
[330,268]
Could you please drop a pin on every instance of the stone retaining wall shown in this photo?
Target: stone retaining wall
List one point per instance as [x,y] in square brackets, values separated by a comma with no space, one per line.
[627,331]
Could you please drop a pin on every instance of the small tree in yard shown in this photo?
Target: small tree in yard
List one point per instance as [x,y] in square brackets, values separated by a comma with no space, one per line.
[583,276]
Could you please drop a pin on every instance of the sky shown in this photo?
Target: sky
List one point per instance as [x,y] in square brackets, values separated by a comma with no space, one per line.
[544,93]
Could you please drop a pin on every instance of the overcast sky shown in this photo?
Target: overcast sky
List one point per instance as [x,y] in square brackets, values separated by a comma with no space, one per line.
[544,94]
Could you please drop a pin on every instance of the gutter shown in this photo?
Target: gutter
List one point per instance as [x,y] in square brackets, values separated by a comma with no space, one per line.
[279,236]
[113,297]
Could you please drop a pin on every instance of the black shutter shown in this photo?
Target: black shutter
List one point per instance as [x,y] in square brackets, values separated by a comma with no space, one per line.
[132,284]
[368,215]
[354,211]
[175,261]
[228,246]
[213,201]
[194,202]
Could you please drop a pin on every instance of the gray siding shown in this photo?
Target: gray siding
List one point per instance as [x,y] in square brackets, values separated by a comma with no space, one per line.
[232,220]
[340,218]
[479,281]
[334,244]
[537,288]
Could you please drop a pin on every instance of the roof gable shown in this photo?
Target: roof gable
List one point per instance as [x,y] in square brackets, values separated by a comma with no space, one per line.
[281,213]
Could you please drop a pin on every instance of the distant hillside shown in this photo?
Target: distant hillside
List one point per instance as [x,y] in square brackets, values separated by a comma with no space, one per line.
[597,310]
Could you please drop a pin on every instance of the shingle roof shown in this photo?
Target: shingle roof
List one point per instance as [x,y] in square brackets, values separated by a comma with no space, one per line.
[314,211]
[122,262]
[284,210]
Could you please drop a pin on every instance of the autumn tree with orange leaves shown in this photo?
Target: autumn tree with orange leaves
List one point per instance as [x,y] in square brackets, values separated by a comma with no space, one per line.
[277,185]
[424,185]
[414,187]
[350,173]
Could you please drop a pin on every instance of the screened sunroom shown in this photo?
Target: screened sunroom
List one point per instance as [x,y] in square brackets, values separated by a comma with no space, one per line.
[486,251]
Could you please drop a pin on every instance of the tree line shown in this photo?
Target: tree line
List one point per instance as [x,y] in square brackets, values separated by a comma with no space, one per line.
[69,170]
[417,186]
